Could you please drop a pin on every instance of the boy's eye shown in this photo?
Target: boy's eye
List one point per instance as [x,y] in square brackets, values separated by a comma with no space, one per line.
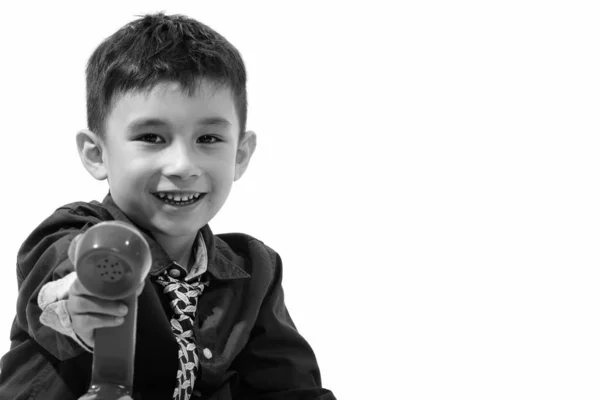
[149,136]
[209,139]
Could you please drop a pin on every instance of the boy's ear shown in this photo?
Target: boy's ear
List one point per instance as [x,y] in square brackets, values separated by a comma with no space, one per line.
[245,150]
[90,151]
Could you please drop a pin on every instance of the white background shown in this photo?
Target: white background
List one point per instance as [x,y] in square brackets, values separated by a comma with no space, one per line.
[427,170]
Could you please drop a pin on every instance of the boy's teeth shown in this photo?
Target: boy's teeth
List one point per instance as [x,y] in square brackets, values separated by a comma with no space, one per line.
[178,197]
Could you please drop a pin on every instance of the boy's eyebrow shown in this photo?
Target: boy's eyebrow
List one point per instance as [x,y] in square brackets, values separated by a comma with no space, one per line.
[157,122]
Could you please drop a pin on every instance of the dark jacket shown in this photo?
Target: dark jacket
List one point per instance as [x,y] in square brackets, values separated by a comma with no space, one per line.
[255,350]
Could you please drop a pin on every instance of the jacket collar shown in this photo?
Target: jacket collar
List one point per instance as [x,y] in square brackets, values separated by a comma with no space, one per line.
[223,263]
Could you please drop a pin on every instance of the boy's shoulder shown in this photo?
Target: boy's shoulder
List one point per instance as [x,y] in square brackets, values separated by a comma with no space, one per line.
[247,252]
[91,209]
[78,215]
[240,242]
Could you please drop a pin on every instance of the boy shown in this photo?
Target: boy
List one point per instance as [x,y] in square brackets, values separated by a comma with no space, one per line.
[166,105]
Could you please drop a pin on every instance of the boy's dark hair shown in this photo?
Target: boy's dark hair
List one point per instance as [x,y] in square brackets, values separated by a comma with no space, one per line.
[157,48]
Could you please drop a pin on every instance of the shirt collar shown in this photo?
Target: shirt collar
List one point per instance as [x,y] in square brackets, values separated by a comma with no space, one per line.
[212,253]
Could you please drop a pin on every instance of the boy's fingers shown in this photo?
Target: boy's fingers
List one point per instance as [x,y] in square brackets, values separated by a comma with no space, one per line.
[88,322]
[92,305]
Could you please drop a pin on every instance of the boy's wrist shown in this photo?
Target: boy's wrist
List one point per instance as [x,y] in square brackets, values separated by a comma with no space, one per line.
[52,300]
[55,291]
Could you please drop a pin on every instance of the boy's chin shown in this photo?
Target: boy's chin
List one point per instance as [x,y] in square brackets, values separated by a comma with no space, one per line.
[177,231]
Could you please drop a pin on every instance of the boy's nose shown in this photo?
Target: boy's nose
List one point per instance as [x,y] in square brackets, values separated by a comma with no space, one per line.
[182,163]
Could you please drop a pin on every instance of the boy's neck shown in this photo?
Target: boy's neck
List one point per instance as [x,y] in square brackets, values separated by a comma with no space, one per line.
[178,248]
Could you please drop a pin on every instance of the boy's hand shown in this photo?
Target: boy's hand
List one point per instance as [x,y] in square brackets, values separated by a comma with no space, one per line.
[89,312]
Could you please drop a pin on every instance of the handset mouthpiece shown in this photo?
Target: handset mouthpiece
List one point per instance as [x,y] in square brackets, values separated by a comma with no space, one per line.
[112,259]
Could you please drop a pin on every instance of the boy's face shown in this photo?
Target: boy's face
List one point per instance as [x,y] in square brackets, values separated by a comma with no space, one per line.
[164,141]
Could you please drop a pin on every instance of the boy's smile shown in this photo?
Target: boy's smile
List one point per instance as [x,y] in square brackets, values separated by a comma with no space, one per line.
[170,158]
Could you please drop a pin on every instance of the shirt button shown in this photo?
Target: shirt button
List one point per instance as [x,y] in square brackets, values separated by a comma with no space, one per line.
[174,273]
[207,353]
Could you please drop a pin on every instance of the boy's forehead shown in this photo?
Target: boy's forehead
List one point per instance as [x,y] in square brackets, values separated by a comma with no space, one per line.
[204,89]
[167,98]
